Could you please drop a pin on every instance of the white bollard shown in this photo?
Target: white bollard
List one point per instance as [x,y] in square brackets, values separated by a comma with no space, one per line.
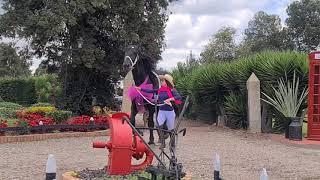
[51,168]
[263,174]
[217,166]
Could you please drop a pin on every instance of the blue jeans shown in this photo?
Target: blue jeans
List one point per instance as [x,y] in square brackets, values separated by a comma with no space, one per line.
[168,117]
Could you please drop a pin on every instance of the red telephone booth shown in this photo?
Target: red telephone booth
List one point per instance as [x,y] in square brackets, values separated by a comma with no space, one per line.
[314,96]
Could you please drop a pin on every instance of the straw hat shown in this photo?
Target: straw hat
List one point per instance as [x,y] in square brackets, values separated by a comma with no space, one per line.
[168,78]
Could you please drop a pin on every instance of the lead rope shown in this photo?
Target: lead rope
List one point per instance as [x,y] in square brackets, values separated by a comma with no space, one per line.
[146,99]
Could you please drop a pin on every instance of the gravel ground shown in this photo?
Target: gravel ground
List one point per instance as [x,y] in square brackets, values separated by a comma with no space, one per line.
[242,156]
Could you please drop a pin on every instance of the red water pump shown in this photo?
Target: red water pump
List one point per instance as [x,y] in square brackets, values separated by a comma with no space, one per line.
[123,145]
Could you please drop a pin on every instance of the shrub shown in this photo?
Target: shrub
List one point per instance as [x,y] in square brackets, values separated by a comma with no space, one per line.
[7,113]
[10,105]
[288,98]
[46,87]
[59,116]
[223,84]
[9,110]
[206,86]
[18,90]
[236,111]
[12,122]
[41,105]
[40,110]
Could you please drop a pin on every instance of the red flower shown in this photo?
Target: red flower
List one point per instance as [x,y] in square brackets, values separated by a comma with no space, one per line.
[3,124]
[101,119]
[33,119]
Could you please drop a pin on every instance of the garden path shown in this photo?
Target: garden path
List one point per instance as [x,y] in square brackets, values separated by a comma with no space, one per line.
[242,156]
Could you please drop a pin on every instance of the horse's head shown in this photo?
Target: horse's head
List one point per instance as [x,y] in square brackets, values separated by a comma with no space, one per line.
[131,57]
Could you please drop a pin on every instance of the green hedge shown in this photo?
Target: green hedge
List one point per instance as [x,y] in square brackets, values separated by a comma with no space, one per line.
[10,105]
[31,90]
[224,84]
[18,90]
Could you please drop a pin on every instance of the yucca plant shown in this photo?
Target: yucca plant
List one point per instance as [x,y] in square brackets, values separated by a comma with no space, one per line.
[287,98]
[206,85]
[236,111]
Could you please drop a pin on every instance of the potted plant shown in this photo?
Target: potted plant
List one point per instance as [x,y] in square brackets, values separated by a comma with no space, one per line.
[287,99]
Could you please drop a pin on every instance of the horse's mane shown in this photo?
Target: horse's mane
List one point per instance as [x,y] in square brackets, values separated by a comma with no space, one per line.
[149,62]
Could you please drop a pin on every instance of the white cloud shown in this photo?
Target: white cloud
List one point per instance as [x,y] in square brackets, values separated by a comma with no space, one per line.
[193,22]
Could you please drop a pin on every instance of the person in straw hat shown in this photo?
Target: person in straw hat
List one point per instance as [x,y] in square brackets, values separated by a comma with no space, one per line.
[166,96]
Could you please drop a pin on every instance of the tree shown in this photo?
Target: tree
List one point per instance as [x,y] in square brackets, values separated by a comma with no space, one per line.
[265,32]
[54,28]
[191,59]
[221,47]
[12,63]
[304,23]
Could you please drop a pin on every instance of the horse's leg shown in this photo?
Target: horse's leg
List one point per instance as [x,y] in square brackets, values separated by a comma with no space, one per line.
[151,123]
[134,112]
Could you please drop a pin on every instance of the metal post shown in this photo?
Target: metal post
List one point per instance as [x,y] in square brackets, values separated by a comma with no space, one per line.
[263,174]
[51,168]
[135,130]
[217,167]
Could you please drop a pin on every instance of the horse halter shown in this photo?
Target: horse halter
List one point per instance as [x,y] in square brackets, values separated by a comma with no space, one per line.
[133,63]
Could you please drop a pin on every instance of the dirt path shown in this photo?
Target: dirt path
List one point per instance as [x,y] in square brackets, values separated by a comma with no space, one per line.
[242,156]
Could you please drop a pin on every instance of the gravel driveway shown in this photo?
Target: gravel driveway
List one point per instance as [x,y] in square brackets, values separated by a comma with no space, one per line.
[242,156]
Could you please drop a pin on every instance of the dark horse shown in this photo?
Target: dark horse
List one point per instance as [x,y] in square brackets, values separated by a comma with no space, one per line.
[142,65]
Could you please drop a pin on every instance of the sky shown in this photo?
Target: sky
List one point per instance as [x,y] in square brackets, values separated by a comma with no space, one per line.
[193,22]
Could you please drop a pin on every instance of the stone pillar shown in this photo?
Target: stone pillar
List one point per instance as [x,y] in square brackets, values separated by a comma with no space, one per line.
[254,105]
[127,83]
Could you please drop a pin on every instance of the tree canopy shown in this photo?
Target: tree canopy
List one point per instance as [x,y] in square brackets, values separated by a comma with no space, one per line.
[221,47]
[54,27]
[264,32]
[13,63]
[304,24]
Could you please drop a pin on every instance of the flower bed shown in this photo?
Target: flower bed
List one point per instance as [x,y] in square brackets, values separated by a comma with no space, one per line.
[86,119]
[44,118]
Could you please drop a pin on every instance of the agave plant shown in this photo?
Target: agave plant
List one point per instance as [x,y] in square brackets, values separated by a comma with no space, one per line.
[287,97]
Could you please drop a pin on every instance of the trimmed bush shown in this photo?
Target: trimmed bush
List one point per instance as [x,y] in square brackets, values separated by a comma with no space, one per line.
[27,91]
[8,113]
[18,90]
[10,105]
[41,105]
[40,110]
[59,116]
